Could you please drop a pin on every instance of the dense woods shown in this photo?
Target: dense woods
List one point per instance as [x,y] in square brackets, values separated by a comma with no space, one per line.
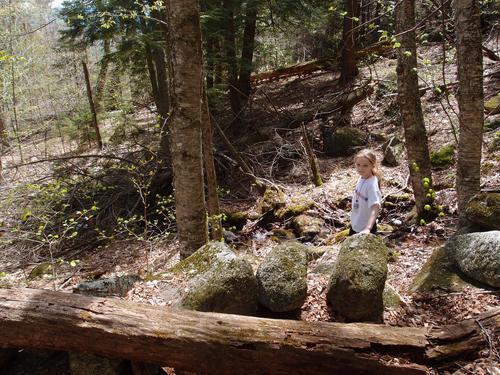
[199,154]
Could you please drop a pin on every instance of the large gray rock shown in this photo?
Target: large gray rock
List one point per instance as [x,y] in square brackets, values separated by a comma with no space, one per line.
[343,141]
[217,280]
[484,209]
[307,226]
[438,272]
[393,152]
[282,277]
[477,255]
[355,290]
[113,286]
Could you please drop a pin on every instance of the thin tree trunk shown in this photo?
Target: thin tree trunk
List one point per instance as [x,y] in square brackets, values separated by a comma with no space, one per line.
[3,142]
[101,78]
[470,101]
[185,78]
[232,63]
[247,50]
[15,123]
[411,108]
[163,104]
[213,209]
[210,343]
[91,104]
[348,64]
[313,162]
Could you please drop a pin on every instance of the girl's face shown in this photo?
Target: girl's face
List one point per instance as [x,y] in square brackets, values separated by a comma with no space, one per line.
[363,167]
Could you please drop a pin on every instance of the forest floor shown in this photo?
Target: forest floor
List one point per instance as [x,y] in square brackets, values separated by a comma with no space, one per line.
[271,159]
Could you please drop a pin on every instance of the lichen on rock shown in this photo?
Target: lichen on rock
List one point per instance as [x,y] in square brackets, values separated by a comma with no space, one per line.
[282,277]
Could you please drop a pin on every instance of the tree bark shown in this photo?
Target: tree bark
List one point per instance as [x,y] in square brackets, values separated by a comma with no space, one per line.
[213,209]
[185,78]
[411,108]
[211,343]
[232,63]
[92,107]
[247,50]
[101,78]
[348,64]
[470,101]
[3,142]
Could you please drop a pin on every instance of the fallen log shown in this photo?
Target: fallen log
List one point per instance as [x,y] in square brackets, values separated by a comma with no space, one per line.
[210,343]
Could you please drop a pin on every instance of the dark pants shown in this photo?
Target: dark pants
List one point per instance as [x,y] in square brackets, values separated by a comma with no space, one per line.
[373,230]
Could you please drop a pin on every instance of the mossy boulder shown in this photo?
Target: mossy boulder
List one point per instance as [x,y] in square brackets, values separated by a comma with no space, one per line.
[391,297]
[355,289]
[492,105]
[272,200]
[477,255]
[236,219]
[297,206]
[444,157]
[437,273]
[307,226]
[393,152]
[282,277]
[217,280]
[484,210]
[343,141]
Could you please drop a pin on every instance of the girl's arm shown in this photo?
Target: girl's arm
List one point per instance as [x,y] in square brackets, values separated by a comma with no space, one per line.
[374,210]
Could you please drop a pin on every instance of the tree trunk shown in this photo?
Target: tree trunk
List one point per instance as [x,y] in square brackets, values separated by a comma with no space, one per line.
[213,209]
[101,78]
[3,142]
[247,50]
[91,104]
[348,64]
[470,101]
[163,104]
[232,63]
[210,343]
[411,108]
[185,78]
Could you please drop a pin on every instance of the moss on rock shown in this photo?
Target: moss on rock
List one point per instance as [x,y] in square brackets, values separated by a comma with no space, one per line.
[282,277]
[484,209]
[443,157]
[437,272]
[297,206]
[272,199]
[217,280]
[307,226]
[357,283]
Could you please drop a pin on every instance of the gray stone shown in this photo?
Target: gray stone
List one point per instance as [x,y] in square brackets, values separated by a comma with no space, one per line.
[393,152]
[282,277]
[307,226]
[343,141]
[113,286]
[484,210]
[391,297]
[437,273]
[217,280]
[356,286]
[326,264]
[477,255]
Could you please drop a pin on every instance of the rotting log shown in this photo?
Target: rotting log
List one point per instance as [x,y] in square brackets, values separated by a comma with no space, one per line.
[211,343]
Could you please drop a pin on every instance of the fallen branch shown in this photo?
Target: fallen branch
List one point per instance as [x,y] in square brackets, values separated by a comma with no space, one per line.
[212,343]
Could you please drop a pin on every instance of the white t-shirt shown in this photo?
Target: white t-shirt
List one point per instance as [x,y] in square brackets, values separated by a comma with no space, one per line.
[364,197]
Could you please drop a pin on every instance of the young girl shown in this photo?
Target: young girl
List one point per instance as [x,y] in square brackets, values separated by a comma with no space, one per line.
[366,200]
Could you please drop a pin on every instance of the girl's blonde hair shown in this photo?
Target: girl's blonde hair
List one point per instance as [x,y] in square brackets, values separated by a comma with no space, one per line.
[372,158]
